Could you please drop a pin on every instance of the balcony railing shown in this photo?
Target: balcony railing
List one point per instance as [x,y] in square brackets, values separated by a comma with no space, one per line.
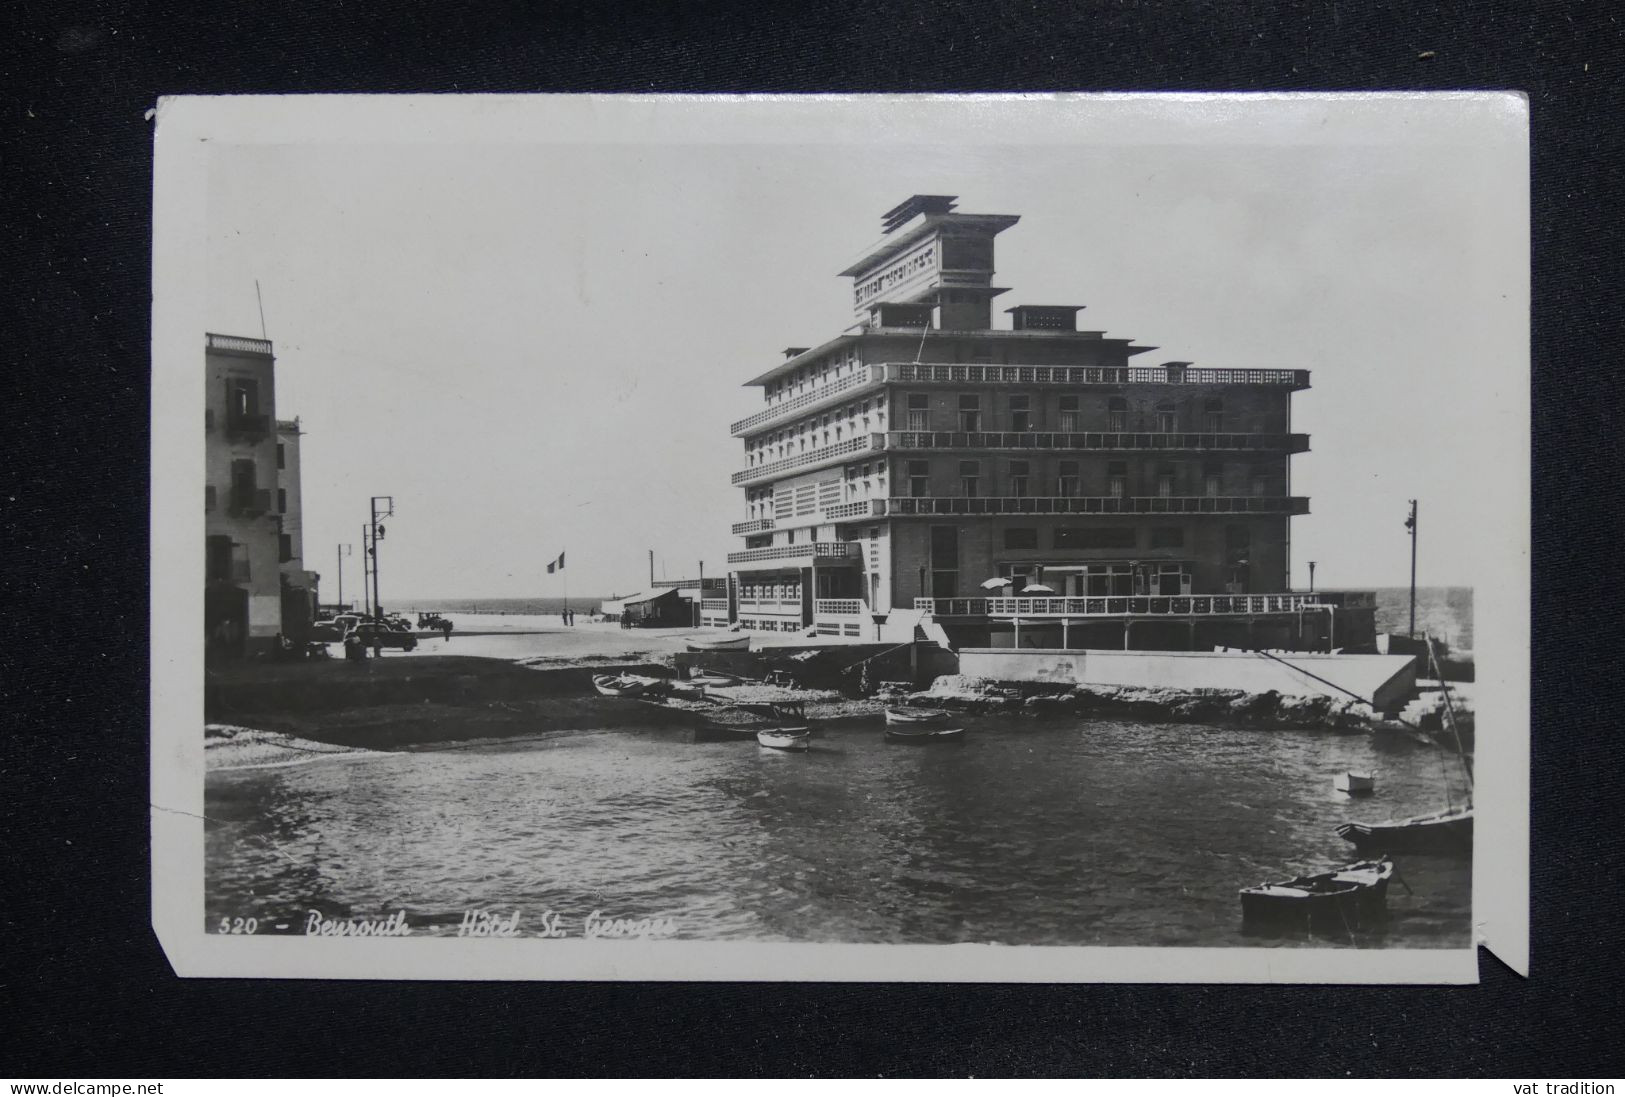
[863,508]
[251,502]
[1186,605]
[824,552]
[714,604]
[237,343]
[1093,440]
[247,425]
[810,400]
[816,458]
[930,373]
[755,525]
[1100,504]
[840,607]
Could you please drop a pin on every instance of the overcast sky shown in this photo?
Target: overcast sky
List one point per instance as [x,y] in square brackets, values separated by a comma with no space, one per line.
[537,346]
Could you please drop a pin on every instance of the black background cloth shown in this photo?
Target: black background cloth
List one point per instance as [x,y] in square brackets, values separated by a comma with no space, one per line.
[89,989]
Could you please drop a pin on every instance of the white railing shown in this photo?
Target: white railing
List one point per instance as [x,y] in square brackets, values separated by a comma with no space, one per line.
[863,508]
[839,607]
[864,443]
[237,342]
[815,550]
[807,401]
[755,525]
[1184,605]
[1099,504]
[714,603]
[935,373]
[1093,440]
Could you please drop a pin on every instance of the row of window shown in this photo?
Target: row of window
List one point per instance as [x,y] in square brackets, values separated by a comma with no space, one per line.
[1019,481]
[817,431]
[1021,414]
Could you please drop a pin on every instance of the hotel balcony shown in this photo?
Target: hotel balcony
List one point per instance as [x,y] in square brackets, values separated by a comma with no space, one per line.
[928,505]
[813,459]
[755,525]
[247,426]
[916,373]
[1188,605]
[239,343]
[1097,441]
[813,399]
[779,557]
[862,508]
[866,378]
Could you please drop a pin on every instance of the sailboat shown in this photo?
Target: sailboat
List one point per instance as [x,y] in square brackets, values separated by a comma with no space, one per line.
[1448,831]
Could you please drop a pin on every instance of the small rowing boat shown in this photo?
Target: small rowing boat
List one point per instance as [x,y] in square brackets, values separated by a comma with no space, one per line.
[1345,899]
[785,738]
[1355,783]
[916,717]
[617,685]
[712,679]
[1441,832]
[925,735]
[740,642]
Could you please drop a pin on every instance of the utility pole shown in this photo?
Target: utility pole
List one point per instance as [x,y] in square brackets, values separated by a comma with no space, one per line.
[366,570]
[378,535]
[700,597]
[651,569]
[343,551]
[1410,524]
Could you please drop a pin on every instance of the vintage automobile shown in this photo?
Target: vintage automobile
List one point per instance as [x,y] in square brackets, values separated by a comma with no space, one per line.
[386,635]
[332,629]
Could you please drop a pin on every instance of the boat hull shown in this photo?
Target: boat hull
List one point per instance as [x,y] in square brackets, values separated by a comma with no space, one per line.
[794,740]
[1350,898]
[1355,784]
[921,736]
[1449,832]
[732,643]
[611,686]
[902,717]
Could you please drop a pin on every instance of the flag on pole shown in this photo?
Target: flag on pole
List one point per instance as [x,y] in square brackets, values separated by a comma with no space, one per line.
[555,565]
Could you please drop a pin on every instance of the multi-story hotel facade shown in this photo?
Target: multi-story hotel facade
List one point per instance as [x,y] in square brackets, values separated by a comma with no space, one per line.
[256,589]
[1033,485]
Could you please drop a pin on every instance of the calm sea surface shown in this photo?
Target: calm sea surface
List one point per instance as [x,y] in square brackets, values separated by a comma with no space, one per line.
[1031,832]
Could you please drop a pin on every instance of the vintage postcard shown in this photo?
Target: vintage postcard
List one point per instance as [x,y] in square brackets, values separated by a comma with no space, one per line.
[942,538]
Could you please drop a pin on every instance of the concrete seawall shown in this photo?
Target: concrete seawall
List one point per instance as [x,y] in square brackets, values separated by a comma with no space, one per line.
[1386,681]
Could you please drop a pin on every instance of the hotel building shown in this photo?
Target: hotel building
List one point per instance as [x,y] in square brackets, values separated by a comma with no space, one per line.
[925,473]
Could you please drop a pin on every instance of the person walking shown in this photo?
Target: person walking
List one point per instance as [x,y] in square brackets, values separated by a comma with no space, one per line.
[445,627]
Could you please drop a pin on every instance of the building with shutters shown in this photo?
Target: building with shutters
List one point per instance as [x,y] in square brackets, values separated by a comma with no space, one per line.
[1033,484]
[256,588]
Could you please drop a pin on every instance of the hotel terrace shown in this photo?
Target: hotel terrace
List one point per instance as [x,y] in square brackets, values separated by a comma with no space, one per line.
[927,473]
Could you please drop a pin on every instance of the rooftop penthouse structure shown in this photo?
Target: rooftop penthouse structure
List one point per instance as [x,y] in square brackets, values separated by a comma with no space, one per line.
[1035,484]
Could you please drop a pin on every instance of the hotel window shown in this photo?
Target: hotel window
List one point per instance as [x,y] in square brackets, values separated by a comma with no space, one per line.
[282,500]
[1021,414]
[284,547]
[1165,481]
[1069,415]
[1213,415]
[919,411]
[281,456]
[1066,484]
[1117,414]
[1212,478]
[919,479]
[1021,537]
[970,478]
[1117,479]
[1020,478]
[1110,580]
[970,412]
[944,561]
[1167,421]
[217,567]
[1167,537]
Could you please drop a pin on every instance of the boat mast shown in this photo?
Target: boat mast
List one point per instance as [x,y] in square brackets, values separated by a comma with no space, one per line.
[1410,524]
[1449,709]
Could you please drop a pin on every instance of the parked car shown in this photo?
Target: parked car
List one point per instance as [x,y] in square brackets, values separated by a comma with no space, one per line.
[332,630]
[375,635]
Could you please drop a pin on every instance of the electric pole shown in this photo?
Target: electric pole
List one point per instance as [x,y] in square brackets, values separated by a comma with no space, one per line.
[343,551]
[366,570]
[1410,524]
[377,527]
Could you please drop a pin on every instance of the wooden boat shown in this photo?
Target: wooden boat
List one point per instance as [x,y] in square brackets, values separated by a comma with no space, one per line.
[712,679]
[617,685]
[785,738]
[1344,899]
[925,735]
[1355,783]
[738,642]
[916,717]
[722,733]
[1448,831]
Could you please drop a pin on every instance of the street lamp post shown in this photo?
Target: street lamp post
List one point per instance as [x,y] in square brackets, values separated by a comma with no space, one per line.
[1410,524]
[1311,577]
